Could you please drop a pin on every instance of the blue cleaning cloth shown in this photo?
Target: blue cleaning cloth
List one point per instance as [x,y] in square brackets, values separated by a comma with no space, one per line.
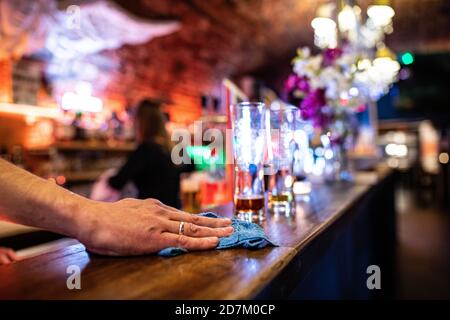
[246,235]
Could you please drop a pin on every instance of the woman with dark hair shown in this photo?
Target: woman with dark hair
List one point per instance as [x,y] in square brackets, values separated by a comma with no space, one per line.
[150,166]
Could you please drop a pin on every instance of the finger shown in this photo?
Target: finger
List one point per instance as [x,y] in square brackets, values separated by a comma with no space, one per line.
[179,215]
[12,255]
[175,210]
[189,243]
[4,259]
[199,220]
[196,231]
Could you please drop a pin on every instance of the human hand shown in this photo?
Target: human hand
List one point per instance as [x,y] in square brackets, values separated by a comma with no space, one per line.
[136,227]
[7,256]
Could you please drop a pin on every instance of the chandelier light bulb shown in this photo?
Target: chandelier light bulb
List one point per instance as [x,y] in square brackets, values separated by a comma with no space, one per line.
[386,64]
[323,23]
[347,18]
[325,32]
[386,69]
[381,15]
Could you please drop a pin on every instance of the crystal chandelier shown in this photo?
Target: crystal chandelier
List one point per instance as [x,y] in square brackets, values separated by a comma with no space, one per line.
[341,23]
[350,25]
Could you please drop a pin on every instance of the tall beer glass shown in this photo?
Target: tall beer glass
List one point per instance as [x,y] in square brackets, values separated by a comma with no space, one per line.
[280,147]
[248,131]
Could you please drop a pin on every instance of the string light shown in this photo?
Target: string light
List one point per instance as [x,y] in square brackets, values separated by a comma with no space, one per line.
[407,58]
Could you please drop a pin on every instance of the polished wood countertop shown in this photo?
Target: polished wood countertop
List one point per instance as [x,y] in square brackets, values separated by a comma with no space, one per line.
[217,274]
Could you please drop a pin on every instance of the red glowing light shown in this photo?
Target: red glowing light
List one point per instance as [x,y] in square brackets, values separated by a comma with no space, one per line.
[60,180]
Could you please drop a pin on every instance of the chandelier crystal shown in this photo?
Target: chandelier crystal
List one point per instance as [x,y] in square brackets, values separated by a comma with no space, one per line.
[381,13]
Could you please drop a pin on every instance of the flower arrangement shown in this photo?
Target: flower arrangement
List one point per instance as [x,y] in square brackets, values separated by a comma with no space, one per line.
[337,81]
[322,85]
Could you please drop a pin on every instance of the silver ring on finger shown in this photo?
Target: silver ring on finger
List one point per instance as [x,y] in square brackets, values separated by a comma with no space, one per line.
[181,228]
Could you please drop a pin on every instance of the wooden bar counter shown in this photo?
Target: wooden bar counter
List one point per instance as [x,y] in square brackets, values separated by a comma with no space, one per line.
[324,249]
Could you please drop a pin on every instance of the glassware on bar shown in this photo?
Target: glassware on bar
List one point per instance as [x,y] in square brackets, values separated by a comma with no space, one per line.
[248,126]
[280,156]
[190,192]
[303,158]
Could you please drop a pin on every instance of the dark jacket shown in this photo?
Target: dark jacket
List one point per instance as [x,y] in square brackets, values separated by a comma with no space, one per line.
[152,171]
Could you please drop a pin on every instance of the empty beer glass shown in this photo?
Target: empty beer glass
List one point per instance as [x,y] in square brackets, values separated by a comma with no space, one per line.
[248,131]
[279,159]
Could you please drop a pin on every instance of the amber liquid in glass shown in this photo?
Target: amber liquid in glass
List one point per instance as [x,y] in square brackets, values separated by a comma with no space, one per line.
[279,198]
[249,203]
[277,190]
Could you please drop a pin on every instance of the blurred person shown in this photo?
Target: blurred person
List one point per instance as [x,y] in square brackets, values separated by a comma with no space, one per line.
[150,166]
[126,227]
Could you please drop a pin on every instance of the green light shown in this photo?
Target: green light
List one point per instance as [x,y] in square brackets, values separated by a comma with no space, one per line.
[407,58]
[201,156]
[199,151]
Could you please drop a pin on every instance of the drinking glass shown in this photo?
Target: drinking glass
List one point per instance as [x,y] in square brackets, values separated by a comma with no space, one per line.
[303,158]
[248,130]
[280,157]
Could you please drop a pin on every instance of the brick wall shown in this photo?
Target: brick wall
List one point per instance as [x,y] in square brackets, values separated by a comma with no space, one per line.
[217,39]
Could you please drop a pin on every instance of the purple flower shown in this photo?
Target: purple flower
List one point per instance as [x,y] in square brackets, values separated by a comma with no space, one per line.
[295,82]
[291,83]
[312,106]
[330,55]
[303,84]
[313,100]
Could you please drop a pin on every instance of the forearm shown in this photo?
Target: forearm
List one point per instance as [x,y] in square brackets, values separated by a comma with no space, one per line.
[126,227]
[30,200]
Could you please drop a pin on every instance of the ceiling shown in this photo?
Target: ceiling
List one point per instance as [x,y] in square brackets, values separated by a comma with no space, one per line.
[227,38]
[271,30]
